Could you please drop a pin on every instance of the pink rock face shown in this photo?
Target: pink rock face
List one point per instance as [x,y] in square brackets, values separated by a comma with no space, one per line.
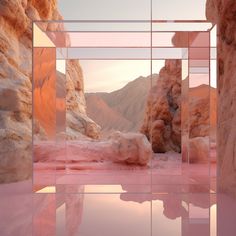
[222,12]
[126,148]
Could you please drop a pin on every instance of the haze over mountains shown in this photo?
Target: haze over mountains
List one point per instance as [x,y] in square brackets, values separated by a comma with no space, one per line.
[122,109]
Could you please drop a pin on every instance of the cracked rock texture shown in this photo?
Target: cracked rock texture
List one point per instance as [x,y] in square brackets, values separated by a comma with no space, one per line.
[16,85]
[162,122]
[223,12]
[163,118]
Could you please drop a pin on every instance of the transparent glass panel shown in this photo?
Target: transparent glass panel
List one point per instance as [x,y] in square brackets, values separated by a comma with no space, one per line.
[162,39]
[109,53]
[199,130]
[59,39]
[105,57]
[213,122]
[169,26]
[169,53]
[199,39]
[44,214]
[110,39]
[213,52]
[96,26]
[40,38]
[199,63]
[199,53]
[184,110]
[213,36]
[61,53]
[44,116]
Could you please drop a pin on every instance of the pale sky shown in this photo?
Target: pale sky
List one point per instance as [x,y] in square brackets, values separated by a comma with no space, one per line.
[132,9]
[101,75]
[107,75]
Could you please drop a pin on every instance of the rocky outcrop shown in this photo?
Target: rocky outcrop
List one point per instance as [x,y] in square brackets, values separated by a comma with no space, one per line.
[163,118]
[222,12]
[162,122]
[16,85]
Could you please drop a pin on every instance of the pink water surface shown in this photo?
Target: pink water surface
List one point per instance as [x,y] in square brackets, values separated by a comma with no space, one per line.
[167,198]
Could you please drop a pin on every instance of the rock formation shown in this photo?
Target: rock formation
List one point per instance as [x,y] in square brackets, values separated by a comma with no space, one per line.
[222,12]
[15,87]
[162,122]
[199,109]
[126,148]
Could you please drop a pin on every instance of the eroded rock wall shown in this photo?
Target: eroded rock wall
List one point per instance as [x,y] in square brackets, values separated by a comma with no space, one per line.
[16,85]
[162,122]
[223,12]
[163,118]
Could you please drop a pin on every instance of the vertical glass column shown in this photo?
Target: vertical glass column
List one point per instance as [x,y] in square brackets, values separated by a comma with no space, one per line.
[61,135]
[213,106]
[184,110]
[44,116]
[199,111]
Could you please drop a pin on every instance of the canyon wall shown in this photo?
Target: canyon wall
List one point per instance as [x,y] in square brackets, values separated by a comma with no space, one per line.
[162,122]
[16,85]
[163,118]
[222,12]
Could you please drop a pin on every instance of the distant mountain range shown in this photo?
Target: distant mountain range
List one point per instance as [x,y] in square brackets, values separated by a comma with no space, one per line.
[122,109]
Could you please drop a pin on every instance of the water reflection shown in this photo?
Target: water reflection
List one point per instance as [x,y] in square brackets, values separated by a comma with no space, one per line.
[70,212]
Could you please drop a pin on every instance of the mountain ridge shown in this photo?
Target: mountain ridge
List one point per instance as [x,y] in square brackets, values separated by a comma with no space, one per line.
[126,104]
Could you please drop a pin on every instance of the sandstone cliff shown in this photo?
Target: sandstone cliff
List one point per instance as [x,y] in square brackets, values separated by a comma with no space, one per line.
[222,12]
[15,88]
[162,122]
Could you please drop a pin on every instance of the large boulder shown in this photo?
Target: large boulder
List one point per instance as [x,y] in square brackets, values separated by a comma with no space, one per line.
[198,150]
[124,148]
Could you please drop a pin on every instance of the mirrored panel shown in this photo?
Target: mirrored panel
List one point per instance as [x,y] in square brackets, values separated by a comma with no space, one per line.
[130,108]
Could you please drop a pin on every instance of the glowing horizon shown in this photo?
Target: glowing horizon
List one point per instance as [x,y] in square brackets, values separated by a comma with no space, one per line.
[116,73]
